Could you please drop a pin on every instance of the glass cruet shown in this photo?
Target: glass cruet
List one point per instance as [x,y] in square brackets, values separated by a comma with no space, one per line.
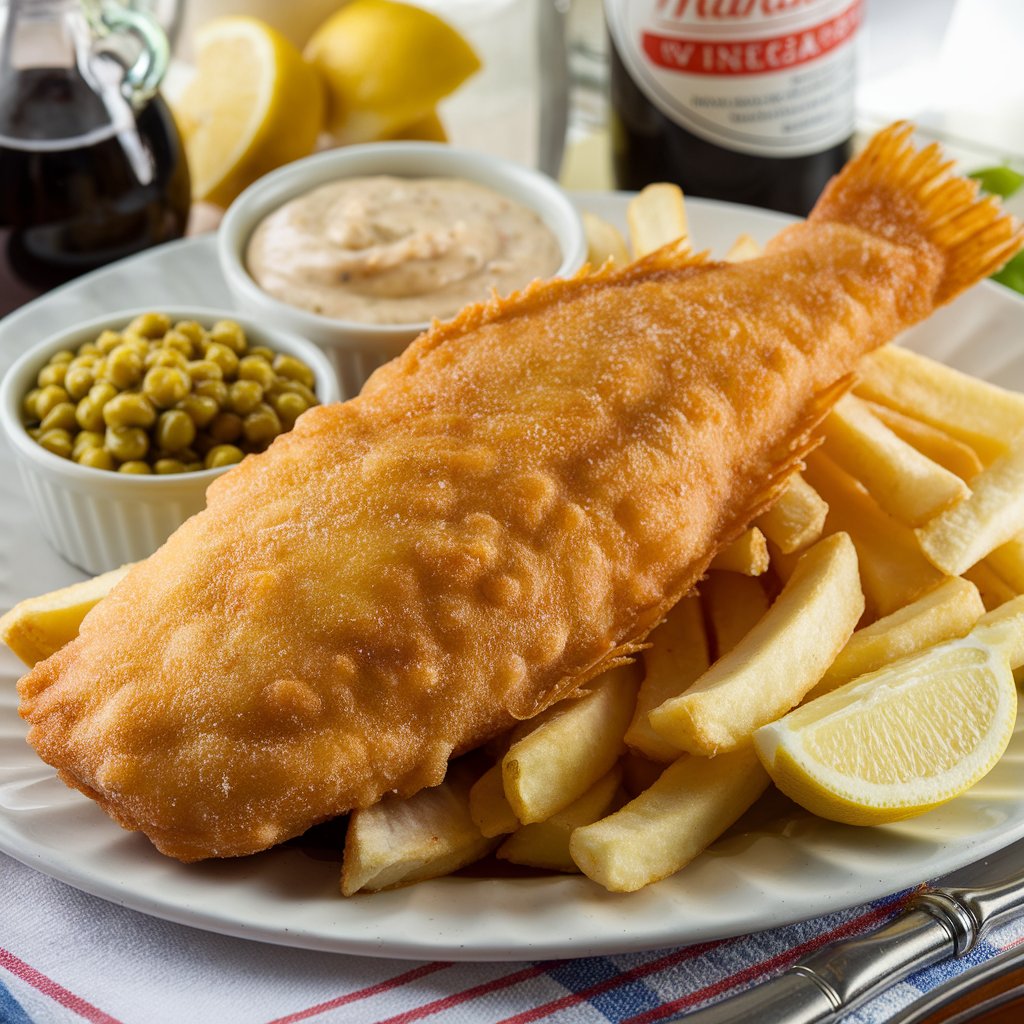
[91,166]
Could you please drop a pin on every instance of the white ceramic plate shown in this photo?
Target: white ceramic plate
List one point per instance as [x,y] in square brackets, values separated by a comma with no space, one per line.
[766,874]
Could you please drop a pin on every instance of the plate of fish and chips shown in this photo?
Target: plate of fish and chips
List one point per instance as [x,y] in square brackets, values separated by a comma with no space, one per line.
[776,864]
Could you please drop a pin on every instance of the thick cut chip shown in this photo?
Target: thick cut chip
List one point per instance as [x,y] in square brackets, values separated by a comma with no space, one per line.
[991,516]
[775,665]
[488,807]
[656,216]
[940,447]
[545,844]
[399,841]
[569,751]
[797,519]
[39,626]
[733,605]
[899,741]
[1007,560]
[945,613]
[1004,627]
[893,569]
[747,554]
[604,241]
[905,483]
[994,590]
[678,655]
[693,802]
[985,416]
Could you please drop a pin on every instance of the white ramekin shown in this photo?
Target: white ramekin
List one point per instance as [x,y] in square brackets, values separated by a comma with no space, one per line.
[356,349]
[98,519]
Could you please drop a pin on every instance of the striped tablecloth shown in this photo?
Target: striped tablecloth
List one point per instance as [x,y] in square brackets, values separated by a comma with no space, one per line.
[67,957]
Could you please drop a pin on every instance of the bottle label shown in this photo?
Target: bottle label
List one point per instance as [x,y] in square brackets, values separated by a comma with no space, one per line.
[766,77]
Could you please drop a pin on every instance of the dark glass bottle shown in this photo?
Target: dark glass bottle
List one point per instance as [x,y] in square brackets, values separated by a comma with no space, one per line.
[744,100]
[91,165]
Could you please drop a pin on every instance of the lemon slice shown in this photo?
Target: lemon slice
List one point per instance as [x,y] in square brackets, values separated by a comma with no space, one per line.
[253,105]
[386,65]
[896,742]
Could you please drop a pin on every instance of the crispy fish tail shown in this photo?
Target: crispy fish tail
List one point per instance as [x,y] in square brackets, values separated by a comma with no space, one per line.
[913,197]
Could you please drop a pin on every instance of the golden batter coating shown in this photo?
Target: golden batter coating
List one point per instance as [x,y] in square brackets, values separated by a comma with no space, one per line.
[507,508]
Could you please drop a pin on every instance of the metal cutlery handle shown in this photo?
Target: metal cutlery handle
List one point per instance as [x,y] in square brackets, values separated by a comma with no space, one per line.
[937,924]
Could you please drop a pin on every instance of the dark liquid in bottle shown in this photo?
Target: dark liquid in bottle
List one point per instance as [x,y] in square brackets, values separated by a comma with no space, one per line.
[648,146]
[77,192]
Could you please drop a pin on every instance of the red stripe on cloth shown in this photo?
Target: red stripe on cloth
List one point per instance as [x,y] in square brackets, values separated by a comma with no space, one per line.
[364,993]
[58,993]
[494,985]
[679,956]
[779,960]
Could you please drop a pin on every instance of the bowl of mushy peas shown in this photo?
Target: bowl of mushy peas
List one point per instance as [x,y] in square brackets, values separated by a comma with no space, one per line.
[360,248]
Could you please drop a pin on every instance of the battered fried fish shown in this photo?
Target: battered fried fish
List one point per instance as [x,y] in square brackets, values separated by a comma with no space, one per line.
[505,511]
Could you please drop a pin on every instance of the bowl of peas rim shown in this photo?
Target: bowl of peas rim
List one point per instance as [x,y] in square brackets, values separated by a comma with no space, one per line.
[119,425]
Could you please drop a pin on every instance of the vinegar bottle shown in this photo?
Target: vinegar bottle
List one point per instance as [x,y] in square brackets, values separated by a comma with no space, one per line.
[744,100]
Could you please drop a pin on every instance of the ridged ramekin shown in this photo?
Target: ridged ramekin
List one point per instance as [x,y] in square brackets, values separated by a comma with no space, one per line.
[357,349]
[100,519]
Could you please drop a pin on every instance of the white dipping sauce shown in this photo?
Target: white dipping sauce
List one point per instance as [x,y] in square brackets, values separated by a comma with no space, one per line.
[387,250]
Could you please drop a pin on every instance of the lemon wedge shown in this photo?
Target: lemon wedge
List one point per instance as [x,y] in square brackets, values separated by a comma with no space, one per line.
[386,65]
[899,741]
[253,105]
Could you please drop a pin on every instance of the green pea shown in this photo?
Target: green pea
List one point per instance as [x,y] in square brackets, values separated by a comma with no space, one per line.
[200,408]
[126,444]
[48,397]
[261,426]
[224,357]
[95,458]
[78,380]
[89,414]
[86,439]
[102,392]
[56,441]
[215,389]
[289,406]
[129,409]
[178,341]
[174,430]
[165,386]
[108,341]
[28,406]
[136,466]
[293,369]
[244,396]
[124,367]
[52,373]
[256,368]
[166,466]
[223,455]
[226,427]
[230,334]
[151,325]
[65,355]
[60,417]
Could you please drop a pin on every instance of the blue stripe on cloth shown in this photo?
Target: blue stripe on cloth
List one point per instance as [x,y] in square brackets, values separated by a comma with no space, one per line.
[10,1009]
[618,1002]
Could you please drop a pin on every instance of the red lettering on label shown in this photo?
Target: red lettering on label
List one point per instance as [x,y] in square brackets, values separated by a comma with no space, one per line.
[751,56]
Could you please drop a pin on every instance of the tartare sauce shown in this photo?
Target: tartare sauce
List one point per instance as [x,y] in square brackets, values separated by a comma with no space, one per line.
[392,250]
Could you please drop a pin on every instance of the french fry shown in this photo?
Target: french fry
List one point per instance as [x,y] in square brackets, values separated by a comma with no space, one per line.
[747,554]
[693,802]
[677,656]
[797,518]
[604,241]
[1004,627]
[992,515]
[985,416]
[656,216]
[948,611]
[545,844]
[893,568]
[929,440]
[1008,561]
[399,841]
[39,626]
[490,810]
[993,589]
[906,484]
[567,753]
[774,666]
[744,248]
[733,605]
